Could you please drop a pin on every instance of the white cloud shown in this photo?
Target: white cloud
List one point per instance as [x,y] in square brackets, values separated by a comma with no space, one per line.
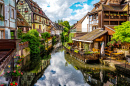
[78,5]
[80,13]
[95,1]
[59,9]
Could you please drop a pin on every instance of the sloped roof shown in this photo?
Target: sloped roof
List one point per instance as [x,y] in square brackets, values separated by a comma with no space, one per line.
[91,35]
[57,26]
[113,7]
[21,22]
[33,5]
[111,27]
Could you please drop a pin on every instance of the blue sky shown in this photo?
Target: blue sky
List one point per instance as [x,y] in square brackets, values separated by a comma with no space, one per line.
[67,10]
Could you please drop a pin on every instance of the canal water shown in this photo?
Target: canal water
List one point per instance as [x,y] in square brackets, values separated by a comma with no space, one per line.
[64,70]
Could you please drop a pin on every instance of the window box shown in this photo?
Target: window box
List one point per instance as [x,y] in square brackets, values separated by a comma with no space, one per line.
[21,3]
[26,11]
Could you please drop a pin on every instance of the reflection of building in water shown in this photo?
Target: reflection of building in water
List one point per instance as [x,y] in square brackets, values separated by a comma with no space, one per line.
[30,78]
[97,75]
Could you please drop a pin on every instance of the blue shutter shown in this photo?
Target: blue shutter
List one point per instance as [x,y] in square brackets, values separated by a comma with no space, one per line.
[6,12]
[10,12]
[14,14]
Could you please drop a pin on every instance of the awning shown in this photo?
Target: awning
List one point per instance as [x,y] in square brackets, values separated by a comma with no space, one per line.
[91,36]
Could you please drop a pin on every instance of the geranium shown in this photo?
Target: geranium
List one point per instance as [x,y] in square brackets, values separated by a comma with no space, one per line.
[13,83]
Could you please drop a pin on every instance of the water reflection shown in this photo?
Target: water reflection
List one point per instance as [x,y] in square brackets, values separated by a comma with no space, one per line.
[59,73]
[98,75]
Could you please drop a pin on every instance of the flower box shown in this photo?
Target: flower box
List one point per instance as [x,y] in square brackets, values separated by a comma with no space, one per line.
[1,17]
[26,11]
[21,3]
[13,83]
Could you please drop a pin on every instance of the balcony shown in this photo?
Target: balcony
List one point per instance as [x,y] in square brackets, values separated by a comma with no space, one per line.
[95,22]
[115,17]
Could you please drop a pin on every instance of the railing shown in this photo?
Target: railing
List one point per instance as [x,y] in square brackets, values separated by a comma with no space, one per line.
[83,57]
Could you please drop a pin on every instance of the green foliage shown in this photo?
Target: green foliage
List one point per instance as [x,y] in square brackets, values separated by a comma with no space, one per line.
[20,33]
[34,43]
[86,47]
[70,37]
[76,51]
[53,41]
[88,52]
[65,24]
[45,35]
[122,32]
[46,57]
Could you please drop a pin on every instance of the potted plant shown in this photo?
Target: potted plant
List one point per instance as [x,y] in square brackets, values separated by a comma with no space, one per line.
[125,14]
[1,17]
[111,14]
[107,14]
[121,14]
[114,14]
[13,83]
[118,15]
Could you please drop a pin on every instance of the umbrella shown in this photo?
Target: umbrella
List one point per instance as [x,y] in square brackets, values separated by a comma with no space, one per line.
[102,49]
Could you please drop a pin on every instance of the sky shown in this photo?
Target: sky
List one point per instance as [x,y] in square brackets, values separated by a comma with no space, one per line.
[67,10]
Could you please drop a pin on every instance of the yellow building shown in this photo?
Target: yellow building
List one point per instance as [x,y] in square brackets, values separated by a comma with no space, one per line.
[33,14]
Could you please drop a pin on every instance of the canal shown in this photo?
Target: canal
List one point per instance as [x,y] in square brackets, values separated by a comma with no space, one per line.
[64,70]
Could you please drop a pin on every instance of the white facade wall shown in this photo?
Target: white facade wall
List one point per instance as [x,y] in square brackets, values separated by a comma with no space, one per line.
[84,24]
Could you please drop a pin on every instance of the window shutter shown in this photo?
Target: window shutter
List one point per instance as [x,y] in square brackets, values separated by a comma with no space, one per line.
[14,14]
[6,12]
[10,12]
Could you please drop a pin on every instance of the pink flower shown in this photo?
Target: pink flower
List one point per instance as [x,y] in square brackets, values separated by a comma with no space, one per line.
[21,73]
[8,71]
[14,71]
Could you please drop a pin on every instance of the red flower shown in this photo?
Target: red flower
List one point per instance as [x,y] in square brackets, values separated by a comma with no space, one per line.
[11,84]
[16,83]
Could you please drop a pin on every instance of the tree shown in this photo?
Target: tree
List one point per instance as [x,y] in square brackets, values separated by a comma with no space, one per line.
[65,24]
[122,32]
[53,41]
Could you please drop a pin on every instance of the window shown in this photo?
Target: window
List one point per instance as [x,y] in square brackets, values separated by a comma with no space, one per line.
[21,1]
[1,34]
[1,9]
[26,9]
[39,26]
[12,13]
[33,26]
[19,10]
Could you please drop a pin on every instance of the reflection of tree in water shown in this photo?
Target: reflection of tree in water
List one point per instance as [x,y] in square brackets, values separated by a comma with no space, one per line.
[30,76]
[98,75]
